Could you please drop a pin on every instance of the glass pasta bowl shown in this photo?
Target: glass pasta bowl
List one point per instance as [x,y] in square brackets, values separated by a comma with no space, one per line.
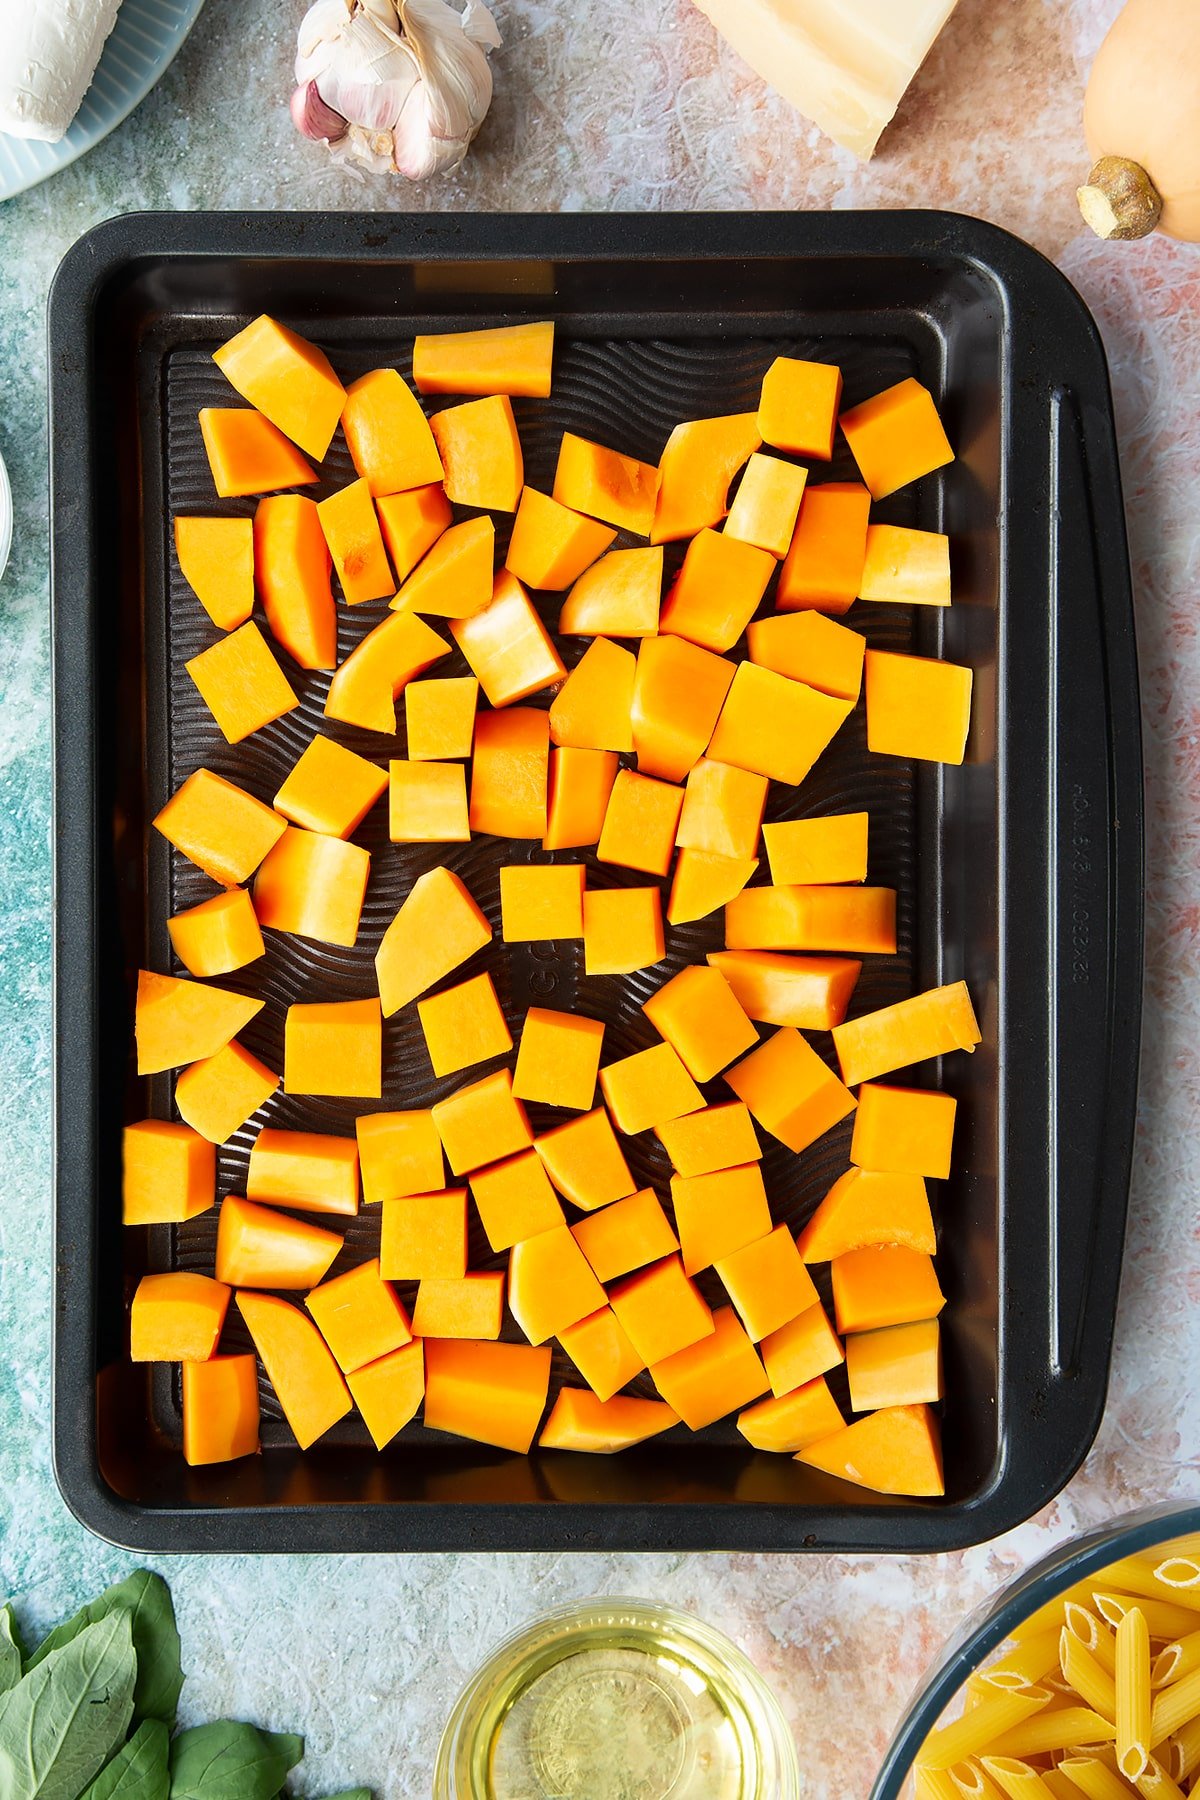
[1080,1678]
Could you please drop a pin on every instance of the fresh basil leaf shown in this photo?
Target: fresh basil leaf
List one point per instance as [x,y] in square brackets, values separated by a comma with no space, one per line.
[231,1761]
[353,1794]
[12,1651]
[147,1599]
[139,1771]
[64,1719]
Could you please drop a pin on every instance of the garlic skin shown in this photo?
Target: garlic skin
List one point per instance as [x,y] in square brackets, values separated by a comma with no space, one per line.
[396,85]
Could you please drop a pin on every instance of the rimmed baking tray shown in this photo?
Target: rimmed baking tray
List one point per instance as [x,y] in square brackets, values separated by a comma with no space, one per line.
[1020,872]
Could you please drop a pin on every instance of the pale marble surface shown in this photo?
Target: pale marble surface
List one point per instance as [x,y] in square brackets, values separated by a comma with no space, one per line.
[633,105]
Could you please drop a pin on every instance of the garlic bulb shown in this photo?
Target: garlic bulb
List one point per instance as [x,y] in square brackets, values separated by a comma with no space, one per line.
[395,84]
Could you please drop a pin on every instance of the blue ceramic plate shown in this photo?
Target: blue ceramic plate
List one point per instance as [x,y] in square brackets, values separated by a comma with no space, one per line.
[143,42]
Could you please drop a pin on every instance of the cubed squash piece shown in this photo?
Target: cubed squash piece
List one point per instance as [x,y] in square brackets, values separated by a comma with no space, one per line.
[312,886]
[678,692]
[470,1308]
[334,1047]
[789,1090]
[917,707]
[510,772]
[793,1421]
[356,546]
[550,1284]
[464,1025]
[643,1090]
[823,567]
[617,597]
[220,1410]
[440,718]
[258,1247]
[898,1366]
[702,883]
[176,1317]
[591,710]
[411,524]
[310,1171]
[930,1024]
[216,559]
[815,917]
[767,1282]
[220,827]
[622,930]
[886,1286]
[863,1208]
[640,824]
[717,1137]
[436,929]
[581,782]
[722,810]
[423,1237]
[241,684]
[501,359]
[289,380]
[905,567]
[719,1213]
[809,992]
[388,435]
[906,1131]
[541,901]
[796,1353]
[798,406]
[291,565]
[307,1381]
[766,504]
[514,1200]
[217,936]
[661,1310]
[177,1022]
[364,689]
[330,790]
[602,1353]
[399,1153]
[218,1095]
[580,1421]
[625,1236]
[823,851]
[388,1391]
[559,1059]
[700,459]
[717,591]
[482,1123]
[359,1316]
[774,726]
[585,1162]
[481,453]
[810,647]
[491,1393]
[697,1014]
[427,803]
[896,437]
[896,1451]
[606,485]
[247,455]
[719,1374]
[454,581]
[551,546]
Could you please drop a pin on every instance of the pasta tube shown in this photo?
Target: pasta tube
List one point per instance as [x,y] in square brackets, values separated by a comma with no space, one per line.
[1016,1779]
[979,1728]
[1133,1719]
[1084,1673]
[1094,1635]
[1176,1660]
[1095,1779]
[1175,1707]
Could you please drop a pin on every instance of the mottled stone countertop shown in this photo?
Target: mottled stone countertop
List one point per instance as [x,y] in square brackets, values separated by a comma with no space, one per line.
[626,105]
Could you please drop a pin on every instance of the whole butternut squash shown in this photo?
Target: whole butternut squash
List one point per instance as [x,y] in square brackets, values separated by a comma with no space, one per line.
[1142,121]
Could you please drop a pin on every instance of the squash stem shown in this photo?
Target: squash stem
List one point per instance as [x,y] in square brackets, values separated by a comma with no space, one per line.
[1119,200]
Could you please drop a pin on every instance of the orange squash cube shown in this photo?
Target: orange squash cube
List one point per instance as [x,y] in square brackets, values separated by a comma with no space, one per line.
[767,1282]
[591,711]
[307,1381]
[722,810]
[247,455]
[312,886]
[365,688]
[794,1421]
[502,359]
[698,1015]
[896,1451]
[388,1391]
[703,882]
[440,718]
[581,783]
[309,1171]
[334,1047]
[823,567]
[491,1393]
[905,567]
[359,1316]
[550,1284]
[896,437]
[640,824]
[717,1137]
[427,803]
[602,1353]
[551,546]
[789,1089]
[890,1285]
[470,1308]
[216,559]
[798,406]
[541,901]
[217,1096]
[291,564]
[701,458]
[217,936]
[464,1025]
[258,1247]
[435,931]
[823,851]
[814,917]
[717,591]
[411,524]
[766,504]
[645,1089]
[622,930]
[798,1352]
[454,580]
[911,1031]
[241,684]
[481,453]
[510,773]
[399,1153]
[355,542]
[177,1022]
[220,1409]
[606,485]
[809,992]
[220,827]
[661,1311]
[514,1200]
[330,790]
[898,1366]
[559,1059]
[627,1235]
[289,380]
[774,726]
[482,1123]
[678,693]
[618,596]
[917,707]
[169,1173]
[863,1208]
[719,1213]
[585,1162]
[424,1237]
[903,1131]
[809,647]
[718,1375]
[580,1421]
[388,435]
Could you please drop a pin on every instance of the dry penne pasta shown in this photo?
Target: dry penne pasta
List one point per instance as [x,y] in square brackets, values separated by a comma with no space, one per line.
[1089,1776]
[972,1782]
[1185,1750]
[934,1784]
[1163,1618]
[1094,1634]
[980,1728]
[1025,1663]
[1141,1575]
[1057,1728]
[1051,1613]
[1084,1672]
[1179,1572]
[1154,1783]
[1176,1660]
[1174,1707]
[1017,1780]
[1059,1786]
[1133,1694]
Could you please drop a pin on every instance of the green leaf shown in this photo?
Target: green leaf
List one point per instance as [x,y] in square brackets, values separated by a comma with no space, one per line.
[12,1650]
[64,1719]
[147,1599]
[353,1794]
[231,1761]
[139,1771]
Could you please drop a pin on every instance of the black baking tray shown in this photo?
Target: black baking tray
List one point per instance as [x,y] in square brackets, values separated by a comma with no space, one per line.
[1020,872]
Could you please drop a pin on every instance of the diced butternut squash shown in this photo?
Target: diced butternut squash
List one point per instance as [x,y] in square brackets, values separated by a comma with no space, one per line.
[798,406]
[330,789]
[351,529]
[640,824]
[217,1096]
[717,1137]
[388,1391]
[774,726]
[618,596]
[241,684]
[606,485]
[602,1352]
[627,1235]
[334,1047]
[307,1381]
[896,1451]
[310,1171]
[481,453]
[365,688]
[550,1284]
[591,711]
[541,901]
[510,772]
[703,882]
[291,564]
[464,1025]
[661,1310]
[514,1200]
[585,1162]
[492,1393]
[719,1213]
[217,936]
[722,810]
[905,567]
[258,1247]
[719,1374]
[717,591]
[898,1366]
[822,851]
[767,1282]
[698,1015]
[440,718]
[289,380]
[399,1153]
[911,1031]
[678,693]
[177,1022]
[864,1208]
[622,930]
[559,1059]
[470,1308]
[809,647]
[896,437]
[454,581]
[701,458]
[176,1317]
[436,929]
[794,1421]
[801,1350]
[809,992]
[216,559]
[359,1316]
[886,1286]
[502,359]
[815,917]
[581,783]
[789,1090]
[220,1409]
[411,524]
[247,455]
[312,886]
[551,546]
[766,504]
[579,1421]
[645,1089]
[423,1237]
[220,827]
[427,803]
[905,1131]
[388,435]
[482,1123]
[917,707]
[823,567]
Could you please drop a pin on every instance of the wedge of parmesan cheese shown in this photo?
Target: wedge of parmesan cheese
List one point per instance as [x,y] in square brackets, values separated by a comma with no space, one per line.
[48,54]
[843,63]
